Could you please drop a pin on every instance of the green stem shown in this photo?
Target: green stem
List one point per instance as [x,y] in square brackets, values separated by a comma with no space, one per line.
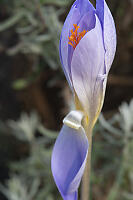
[85,187]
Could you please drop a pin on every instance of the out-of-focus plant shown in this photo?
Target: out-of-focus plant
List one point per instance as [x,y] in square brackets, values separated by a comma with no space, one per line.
[120,136]
[25,128]
[37,26]
[112,174]
[32,176]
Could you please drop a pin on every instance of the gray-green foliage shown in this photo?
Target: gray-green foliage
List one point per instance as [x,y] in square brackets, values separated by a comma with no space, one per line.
[31,177]
[38,27]
[118,134]
[112,162]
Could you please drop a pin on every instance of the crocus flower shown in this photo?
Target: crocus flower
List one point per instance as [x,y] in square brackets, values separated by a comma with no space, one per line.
[87,49]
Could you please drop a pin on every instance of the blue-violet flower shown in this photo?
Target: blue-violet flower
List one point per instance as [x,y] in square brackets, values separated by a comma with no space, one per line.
[87,49]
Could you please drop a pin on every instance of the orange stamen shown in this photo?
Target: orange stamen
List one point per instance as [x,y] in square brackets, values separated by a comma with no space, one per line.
[75,37]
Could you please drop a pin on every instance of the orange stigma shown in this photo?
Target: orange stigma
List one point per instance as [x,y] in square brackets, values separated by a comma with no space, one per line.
[75,37]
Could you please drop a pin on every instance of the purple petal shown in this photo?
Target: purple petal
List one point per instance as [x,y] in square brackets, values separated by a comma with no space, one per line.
[85,6]
[72,18]
[68,160]
[73,196]
[88,21]
[109,31]
[87,69]
[81,12]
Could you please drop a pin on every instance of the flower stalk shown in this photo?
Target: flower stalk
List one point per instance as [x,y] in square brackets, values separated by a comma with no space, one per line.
[85,187]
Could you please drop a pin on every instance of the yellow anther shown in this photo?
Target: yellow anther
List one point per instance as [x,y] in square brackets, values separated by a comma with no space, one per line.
[75,37]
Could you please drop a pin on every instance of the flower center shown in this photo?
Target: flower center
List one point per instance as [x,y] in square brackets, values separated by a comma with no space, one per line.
[75,37]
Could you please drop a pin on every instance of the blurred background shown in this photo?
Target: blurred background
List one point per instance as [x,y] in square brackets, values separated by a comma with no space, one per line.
[34,98]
